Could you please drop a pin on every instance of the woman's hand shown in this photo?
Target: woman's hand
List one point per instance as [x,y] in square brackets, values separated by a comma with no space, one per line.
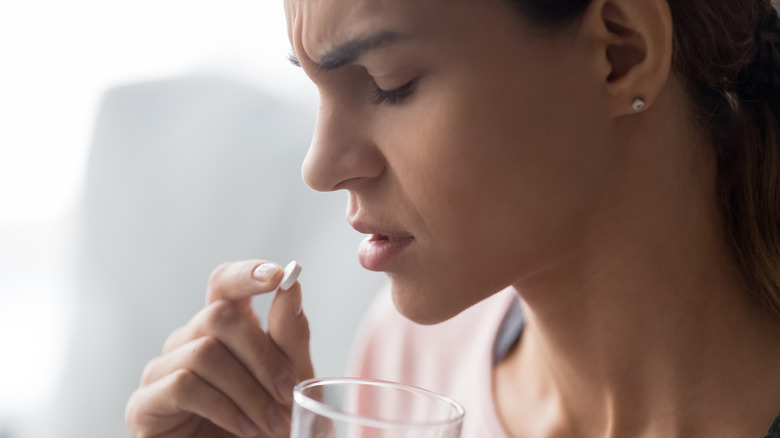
[221,375]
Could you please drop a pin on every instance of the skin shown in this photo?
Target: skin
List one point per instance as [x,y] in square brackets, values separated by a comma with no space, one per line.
[510,170]
[445,164]
[221,375]
[514,160]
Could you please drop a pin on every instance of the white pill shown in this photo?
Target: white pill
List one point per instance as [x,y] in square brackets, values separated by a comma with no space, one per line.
[291,272]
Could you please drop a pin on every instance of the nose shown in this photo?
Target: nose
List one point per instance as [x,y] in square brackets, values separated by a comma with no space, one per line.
[342,152]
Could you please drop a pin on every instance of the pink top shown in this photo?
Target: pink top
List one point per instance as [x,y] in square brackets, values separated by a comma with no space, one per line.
[454,358]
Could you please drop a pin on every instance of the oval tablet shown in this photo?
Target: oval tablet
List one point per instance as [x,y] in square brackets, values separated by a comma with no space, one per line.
[291,272]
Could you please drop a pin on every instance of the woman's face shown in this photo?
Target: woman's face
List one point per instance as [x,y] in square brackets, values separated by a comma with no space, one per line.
[470,144]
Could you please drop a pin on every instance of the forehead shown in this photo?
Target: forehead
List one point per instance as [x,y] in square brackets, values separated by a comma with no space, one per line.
[315,26]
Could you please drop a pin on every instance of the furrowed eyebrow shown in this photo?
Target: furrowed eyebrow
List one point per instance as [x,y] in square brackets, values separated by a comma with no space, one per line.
[351,51]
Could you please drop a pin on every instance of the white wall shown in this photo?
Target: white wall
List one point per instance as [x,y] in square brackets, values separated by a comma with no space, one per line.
[59,57]
[65,353]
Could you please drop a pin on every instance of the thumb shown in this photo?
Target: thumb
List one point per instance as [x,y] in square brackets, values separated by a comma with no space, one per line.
[289,329]
[239,281]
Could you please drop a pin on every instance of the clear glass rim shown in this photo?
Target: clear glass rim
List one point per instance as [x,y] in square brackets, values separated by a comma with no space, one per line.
[324,410]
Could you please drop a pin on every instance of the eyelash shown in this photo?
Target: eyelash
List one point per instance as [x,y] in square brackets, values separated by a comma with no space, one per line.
[394,96]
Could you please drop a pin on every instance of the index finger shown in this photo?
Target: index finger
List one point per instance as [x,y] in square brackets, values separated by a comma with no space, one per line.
[238,280]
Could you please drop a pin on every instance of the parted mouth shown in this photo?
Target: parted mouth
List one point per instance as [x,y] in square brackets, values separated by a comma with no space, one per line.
[379,232]
[383,244]
[390,238]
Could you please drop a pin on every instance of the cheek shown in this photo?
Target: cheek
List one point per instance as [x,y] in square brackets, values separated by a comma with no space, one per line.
[500,179]
[485,160]
[496,175]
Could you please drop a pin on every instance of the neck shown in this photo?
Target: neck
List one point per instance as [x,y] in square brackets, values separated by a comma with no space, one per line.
[646,330]
[651,349]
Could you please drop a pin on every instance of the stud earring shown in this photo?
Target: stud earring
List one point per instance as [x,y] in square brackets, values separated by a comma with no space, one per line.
[638,104]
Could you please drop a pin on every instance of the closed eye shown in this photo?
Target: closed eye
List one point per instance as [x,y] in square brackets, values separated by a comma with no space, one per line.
[394,96]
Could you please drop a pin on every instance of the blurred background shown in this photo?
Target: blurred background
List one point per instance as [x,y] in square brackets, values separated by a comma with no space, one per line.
[141,144]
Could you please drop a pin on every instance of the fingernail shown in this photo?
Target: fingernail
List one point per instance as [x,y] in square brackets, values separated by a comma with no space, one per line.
[247,426]
[265,271]
[275,420]
[285,385]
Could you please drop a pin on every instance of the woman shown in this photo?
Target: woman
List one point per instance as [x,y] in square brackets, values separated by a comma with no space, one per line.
[612,163]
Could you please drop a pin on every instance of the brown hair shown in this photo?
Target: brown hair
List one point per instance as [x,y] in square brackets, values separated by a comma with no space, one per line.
[726,52]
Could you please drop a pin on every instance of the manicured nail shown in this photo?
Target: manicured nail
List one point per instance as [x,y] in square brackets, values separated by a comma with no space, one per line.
[275,420]
[285,385]
[265,271]
[247,426]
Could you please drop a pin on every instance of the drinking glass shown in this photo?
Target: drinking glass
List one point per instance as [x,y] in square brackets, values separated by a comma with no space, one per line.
[363,408]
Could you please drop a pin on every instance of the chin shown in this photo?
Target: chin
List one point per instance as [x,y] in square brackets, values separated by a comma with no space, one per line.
[424,305]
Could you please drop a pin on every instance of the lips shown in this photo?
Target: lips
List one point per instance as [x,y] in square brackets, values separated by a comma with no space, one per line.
[383,246]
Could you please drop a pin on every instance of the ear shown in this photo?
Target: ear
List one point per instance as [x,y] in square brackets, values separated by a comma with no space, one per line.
[633,50]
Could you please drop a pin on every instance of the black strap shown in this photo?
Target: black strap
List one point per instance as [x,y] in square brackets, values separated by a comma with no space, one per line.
[774,430]
[509,332]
